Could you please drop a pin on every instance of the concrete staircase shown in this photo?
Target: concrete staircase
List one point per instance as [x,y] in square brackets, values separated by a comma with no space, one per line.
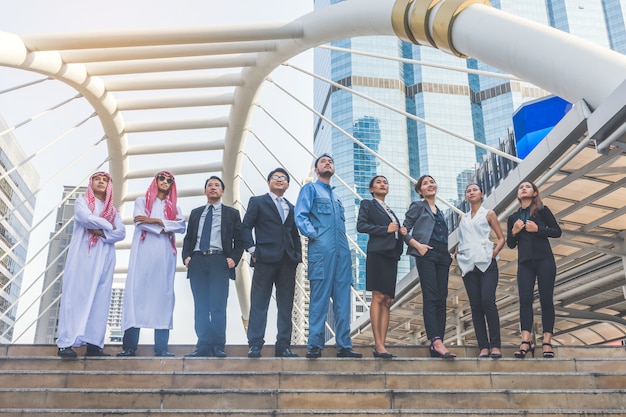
[589,381]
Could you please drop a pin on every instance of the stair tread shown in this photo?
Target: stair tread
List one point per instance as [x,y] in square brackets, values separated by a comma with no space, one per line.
[591,381]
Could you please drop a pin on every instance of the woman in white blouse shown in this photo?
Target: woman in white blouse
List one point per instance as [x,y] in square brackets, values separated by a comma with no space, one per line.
[476,257]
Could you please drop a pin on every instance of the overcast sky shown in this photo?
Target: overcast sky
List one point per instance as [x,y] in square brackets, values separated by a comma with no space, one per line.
[44,16]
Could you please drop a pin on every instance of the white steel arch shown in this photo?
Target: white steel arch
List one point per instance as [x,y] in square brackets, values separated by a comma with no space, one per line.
[101,65]
[572,68]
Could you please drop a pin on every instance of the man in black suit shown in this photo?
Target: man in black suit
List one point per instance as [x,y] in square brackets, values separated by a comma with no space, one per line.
[275,256]
[212,249]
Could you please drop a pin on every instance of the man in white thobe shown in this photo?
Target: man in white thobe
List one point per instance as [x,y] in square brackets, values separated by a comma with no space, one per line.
[88,275]
[149,292]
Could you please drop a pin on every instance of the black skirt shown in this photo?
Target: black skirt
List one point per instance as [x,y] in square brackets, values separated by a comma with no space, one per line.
[380,273]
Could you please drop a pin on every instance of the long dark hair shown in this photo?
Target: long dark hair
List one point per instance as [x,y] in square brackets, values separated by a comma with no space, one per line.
[536,205]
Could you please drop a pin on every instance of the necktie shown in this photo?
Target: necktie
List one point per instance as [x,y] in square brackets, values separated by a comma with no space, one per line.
[205,238]
[279,206]
[389,213]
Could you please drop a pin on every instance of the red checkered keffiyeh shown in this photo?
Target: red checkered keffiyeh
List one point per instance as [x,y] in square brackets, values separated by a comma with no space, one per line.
[170,204]
[109,211]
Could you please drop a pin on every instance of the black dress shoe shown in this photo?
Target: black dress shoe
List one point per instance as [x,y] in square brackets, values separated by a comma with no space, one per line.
[286,353]
[66,353]
[219,352]
[164,354]
[382,355]
[254,352]
[198,354]
[126,353]
[348,353]
[314,353]
[95,351]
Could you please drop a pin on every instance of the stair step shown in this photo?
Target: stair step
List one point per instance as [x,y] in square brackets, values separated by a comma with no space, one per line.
[329,352]
[588,381]
[308,365]
[305,413]
[223,399]
[312,380]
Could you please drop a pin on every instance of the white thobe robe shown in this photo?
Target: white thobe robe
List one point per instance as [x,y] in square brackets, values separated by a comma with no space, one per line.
[149,292]
[88,277]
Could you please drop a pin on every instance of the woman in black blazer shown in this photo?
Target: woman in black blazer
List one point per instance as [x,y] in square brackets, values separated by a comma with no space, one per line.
[428,242]
[528,229]
[383,252]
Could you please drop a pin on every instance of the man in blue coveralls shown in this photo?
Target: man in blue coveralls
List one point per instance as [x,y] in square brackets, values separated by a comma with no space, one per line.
[320,217]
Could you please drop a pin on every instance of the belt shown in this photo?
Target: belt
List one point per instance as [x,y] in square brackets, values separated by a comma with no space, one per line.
[209,252]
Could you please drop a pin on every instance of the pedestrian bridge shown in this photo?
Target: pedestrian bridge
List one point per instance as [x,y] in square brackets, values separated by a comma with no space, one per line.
[188,98]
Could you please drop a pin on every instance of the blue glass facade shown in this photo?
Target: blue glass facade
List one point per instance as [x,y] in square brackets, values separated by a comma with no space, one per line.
[478,107]
[614,19]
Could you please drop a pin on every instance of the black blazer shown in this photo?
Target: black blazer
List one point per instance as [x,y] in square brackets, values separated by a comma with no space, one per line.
[531,246]
[274,239]
[231,234]
[374,220]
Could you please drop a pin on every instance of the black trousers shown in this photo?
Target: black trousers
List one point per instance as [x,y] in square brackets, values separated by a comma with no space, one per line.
[281,274]
[131,339]
[544,272]
[481,291]
[433,269]
[208,276]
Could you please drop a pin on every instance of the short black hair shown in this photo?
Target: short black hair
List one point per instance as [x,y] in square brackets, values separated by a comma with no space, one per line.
[321,156]
[215,177]
[275,170]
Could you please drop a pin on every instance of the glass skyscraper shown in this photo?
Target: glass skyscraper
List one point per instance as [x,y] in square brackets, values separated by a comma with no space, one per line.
[17,205]
[47,323]
[475,106]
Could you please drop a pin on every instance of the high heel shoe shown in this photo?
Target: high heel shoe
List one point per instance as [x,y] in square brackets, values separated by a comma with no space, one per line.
[434,353]
[521,353]
[382,355]
[483,355]
[548,354]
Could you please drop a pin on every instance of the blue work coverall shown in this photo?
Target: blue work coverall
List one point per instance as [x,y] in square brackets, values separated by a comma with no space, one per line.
[320,217]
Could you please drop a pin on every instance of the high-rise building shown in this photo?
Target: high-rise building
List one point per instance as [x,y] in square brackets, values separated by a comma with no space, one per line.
[114,322]
[46,330]
[475,106]
[47,323]
[17,205]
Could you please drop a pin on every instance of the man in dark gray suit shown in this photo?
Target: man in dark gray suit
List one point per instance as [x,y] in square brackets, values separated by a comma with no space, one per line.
[212,249]
[275,256]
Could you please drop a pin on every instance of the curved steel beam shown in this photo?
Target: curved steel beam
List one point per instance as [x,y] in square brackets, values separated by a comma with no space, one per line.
[571,67]
[16,55]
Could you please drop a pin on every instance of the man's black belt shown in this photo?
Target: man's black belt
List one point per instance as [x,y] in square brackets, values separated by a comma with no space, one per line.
[209,252]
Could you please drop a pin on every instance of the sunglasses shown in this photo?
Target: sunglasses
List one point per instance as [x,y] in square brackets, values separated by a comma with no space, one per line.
[164,178]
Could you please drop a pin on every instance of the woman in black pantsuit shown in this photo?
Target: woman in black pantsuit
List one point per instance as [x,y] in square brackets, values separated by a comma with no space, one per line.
[428,242]
[383,252]
[528,229]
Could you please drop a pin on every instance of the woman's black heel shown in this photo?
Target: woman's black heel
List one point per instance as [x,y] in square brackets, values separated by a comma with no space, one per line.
[548,354]
[521,353]
[435,354]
